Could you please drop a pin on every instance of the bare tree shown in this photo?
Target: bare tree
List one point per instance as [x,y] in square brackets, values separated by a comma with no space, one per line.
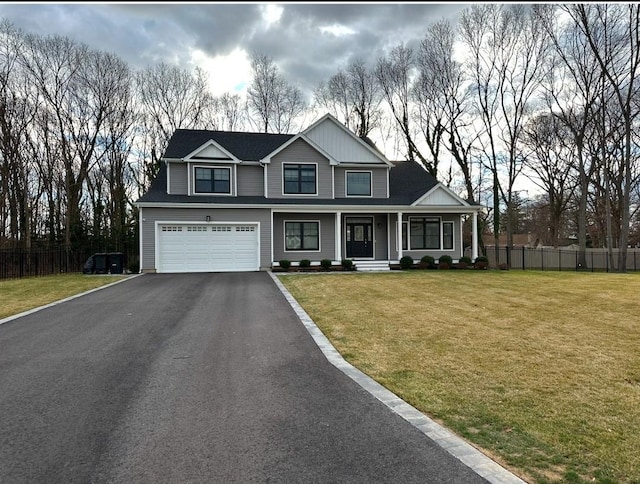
[550,160]
[271,99]
[394,75]
[352,96]
[571,92]
[508,48]
[16,114]
[171,98]
[613,33]
[228,112]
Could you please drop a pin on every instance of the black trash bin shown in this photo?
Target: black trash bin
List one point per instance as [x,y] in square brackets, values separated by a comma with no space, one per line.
[88,267]
[100,263]
[116,262]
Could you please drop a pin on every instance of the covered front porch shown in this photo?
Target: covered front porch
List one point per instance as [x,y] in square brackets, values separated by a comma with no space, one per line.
[373,239]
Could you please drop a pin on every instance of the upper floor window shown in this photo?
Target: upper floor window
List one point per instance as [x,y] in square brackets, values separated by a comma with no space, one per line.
[299,179]
[358,183]
[212,180]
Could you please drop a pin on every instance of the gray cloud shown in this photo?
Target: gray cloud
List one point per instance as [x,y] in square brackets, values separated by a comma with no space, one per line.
[144,34]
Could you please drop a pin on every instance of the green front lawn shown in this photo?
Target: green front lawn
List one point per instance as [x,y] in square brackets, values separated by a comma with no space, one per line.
[18,295]
[541,370]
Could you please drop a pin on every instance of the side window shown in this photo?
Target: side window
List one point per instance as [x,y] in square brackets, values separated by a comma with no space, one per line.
[447,235]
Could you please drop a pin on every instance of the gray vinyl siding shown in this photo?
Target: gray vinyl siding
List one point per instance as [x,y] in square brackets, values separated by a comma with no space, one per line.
[151,215]
[456,253]
[378,181]
[327,236]
[299,152]
[250,180]
[178,184]
[380,236]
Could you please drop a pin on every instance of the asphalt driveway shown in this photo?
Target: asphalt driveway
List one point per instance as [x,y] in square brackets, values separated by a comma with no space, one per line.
[190,378]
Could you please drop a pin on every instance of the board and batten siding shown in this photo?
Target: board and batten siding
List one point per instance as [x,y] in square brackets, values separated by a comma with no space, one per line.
[378,181]
[299,152]
[327,236]
[178,184]
[151,215]
[250,181]
[340,144]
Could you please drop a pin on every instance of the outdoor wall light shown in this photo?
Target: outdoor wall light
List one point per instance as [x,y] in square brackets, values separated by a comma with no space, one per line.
[208,218]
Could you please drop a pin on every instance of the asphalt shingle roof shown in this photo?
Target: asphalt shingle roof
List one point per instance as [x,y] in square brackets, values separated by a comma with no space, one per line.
[244,146]
[407,180]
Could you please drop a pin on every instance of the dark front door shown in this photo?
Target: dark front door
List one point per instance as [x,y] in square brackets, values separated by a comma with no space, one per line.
[359,238]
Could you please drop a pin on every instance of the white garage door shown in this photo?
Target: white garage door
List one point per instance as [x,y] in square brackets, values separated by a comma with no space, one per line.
[208,248]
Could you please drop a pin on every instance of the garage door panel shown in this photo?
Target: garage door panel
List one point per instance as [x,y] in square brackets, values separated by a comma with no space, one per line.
[207,248]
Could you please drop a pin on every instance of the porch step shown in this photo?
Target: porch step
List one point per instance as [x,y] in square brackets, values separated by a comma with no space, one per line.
[372,265]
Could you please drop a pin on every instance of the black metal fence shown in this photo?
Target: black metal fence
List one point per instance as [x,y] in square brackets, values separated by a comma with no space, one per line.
[18,263]
[559,259]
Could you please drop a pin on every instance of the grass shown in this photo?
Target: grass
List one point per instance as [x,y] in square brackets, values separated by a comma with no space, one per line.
[18,295]
[539,370]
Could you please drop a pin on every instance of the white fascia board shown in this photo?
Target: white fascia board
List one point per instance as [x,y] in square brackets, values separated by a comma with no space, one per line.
[267,159]
[211,142]
[329,116]
[439,185]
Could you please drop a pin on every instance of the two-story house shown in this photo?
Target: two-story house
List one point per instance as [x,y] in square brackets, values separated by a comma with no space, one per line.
[234,201]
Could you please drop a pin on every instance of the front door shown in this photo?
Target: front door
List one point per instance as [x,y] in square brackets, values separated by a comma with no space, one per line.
[359,235]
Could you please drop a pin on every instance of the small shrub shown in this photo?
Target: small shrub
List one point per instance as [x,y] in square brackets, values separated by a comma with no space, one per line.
[481,262]
[445,259]
[326,264]
[465,259]
[285,264]
[305,263]
[406,262]
[347,264]
[427,262]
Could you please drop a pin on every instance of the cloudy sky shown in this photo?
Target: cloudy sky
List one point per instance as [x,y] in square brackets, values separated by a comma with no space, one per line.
[308,42]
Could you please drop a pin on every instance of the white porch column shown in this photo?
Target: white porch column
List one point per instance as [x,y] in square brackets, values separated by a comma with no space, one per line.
[399,235]
[474,237]
[338,236]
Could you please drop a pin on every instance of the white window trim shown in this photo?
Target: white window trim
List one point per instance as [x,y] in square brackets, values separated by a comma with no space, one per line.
[453,235]
[300,251]
[346,183]
[298,194]
[441,233]
[192,185]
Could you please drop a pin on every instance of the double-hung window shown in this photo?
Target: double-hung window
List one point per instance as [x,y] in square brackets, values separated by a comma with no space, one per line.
[425,233]
[302,235]
[299,179]
[358,183]
[447,235]
[212,180]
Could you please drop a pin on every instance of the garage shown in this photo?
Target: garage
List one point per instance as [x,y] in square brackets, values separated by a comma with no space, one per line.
[224,247]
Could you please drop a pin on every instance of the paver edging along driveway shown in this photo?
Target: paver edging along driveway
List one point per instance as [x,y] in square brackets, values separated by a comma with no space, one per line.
[458,447]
